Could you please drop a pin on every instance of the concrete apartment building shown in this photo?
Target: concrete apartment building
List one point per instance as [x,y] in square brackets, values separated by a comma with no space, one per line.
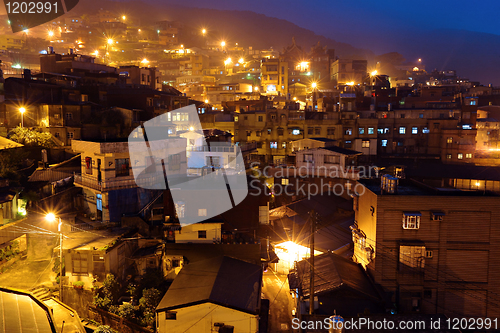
[433,250]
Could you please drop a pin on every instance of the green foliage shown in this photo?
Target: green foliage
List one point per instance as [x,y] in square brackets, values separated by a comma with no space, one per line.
[11,160]
[78,284]
[9,251]
[31,137]
[148,303]
[127,311]
[108,294]
[103,329]
[131,289]
[55,268]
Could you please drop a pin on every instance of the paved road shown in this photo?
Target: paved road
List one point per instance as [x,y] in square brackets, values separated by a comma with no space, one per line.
[72,322]
[26,274]
[275,288]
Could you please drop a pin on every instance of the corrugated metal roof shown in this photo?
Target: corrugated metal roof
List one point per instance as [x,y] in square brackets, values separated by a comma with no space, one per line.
[21,312]
[223,280]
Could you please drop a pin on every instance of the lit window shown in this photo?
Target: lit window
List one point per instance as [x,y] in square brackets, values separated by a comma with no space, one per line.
[402,130]
[460,156]
[365,144]
[273,145]
[361,130]
[386,130]
[468,155]
[414,130]
[332,159]
[449,140]
[296,132]
[425,130]
[412,256]
[371,130]
[384,143]
[285,181]
[283,145]
[411,220]
[348,131]
[380,131]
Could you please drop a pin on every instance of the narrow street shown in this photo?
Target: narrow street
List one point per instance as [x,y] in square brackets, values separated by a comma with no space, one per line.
[275,289]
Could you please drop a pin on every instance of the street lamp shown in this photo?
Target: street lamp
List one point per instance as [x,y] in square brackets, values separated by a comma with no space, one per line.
[124,17]
[51,218]
[314,85]
[22,110]
[375,72]
[204,31]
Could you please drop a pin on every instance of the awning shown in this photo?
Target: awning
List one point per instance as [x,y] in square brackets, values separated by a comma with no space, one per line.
[438,213]
[412,214]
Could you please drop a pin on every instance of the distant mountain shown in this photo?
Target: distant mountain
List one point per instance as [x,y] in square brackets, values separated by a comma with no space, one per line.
[473,55]
[244,27]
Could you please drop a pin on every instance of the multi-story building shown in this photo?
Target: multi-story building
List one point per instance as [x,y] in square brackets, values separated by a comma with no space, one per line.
[274,76]
[344,71]
[108,186]
[433,250]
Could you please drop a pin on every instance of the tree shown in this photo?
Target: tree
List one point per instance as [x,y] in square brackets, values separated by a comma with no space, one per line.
[11,160]
[31,137]
[56,270]
[107,295]
[148,303]
[103,329]
[127,311]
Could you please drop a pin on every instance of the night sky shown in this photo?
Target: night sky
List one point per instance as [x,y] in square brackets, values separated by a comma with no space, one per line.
[348,19]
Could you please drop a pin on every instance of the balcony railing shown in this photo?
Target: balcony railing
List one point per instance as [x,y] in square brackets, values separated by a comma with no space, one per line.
[113,184]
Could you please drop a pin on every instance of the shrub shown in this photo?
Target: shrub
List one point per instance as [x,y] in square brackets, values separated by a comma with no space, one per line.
[78,284]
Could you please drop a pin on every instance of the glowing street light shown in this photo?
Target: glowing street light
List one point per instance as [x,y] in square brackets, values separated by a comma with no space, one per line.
[22,110]
[227,61]
[256,88]
[206,101]
[204,31]
[375,72]
[419,60]
[314,85]
[223,43]
[50,33]
[241,60]
[52,218]
[26,31]
[145,61]
[96,53]
[138,30]
[110,41]
[350,83]
[191,128]
[124,17]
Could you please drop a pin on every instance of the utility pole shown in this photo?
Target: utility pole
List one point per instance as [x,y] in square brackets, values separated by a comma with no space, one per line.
[311,279]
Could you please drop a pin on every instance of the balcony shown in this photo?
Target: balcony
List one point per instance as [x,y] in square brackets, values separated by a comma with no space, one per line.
[115,184]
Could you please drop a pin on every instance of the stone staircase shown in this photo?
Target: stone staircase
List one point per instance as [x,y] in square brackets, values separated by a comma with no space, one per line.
[41,292]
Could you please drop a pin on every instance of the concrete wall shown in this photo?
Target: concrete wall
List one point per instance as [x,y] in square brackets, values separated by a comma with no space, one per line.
[188,319]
